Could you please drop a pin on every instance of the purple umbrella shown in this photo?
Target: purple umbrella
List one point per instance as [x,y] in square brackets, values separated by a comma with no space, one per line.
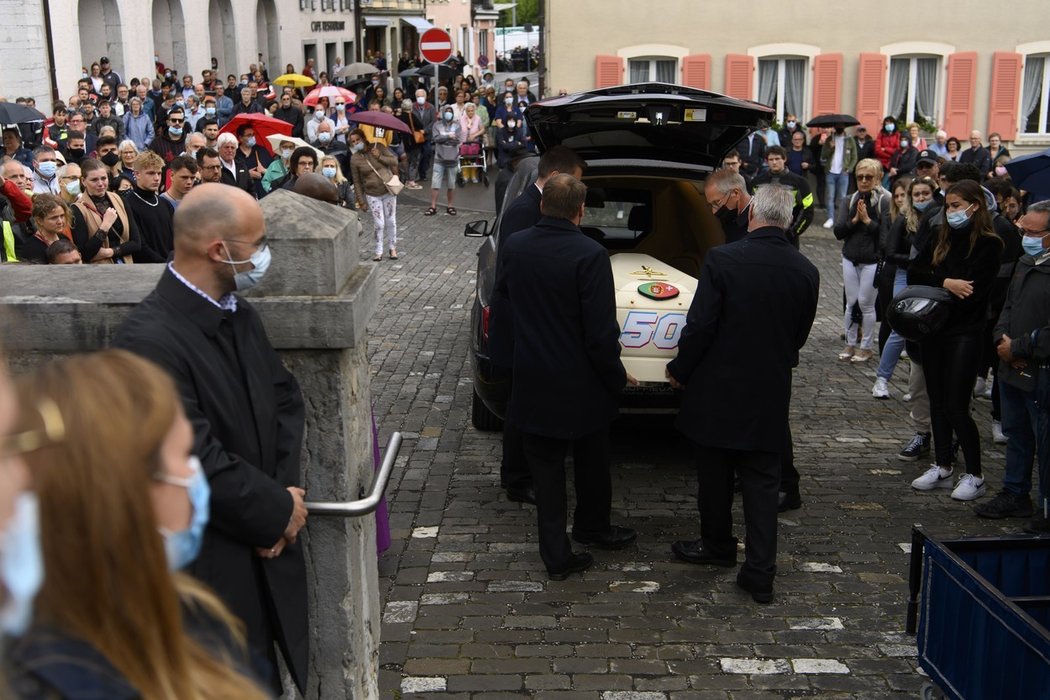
[382,119]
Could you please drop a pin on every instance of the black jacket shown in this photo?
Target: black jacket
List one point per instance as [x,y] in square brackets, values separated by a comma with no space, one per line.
[978,156]
[896,246]
[802,213]
[293,116]
[242,179]
[155,222]
[749,318]
[860,242]
[752,154]
[865,148]
[566,342]
[1027,309]
[981,267]
[523,213]
[247,415]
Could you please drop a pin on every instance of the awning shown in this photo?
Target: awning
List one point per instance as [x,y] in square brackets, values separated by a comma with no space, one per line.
[376,21]
[419,23]
[500,7]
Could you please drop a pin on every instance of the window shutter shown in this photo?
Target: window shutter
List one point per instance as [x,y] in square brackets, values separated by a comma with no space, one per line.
[696,71]
[739,72]
[959,94]
[608,71]
[1006,94]
[871,90]
[827,84]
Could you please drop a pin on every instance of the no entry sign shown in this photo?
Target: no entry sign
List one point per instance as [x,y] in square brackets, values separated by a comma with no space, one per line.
[435,45]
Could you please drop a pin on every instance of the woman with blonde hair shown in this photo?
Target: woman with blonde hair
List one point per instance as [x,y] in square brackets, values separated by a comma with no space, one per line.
[333,173]
[963,257]
[861,224]
[120,510]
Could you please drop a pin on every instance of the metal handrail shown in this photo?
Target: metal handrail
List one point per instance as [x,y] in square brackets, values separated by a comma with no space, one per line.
[366,504]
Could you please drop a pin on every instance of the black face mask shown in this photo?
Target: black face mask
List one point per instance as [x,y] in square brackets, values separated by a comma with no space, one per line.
[110,159]
[839,130]
[725,215]
[76,153]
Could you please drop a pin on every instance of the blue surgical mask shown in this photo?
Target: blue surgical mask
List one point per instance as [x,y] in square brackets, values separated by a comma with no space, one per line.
[889,128]
[921,206]
[791,124]
[328,171]
[21,564]
[175,131]
[48,168]
[73,188]
[958,219]
[209,111]
[357,148]
[448,116]
[182,547]
[1033,245]
[340,107]
[421,100]
[324,137]
[260,259]
[251,141]
[286,153]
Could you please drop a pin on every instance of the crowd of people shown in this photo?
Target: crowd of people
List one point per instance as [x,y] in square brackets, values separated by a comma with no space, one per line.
[101,150]
[933,215]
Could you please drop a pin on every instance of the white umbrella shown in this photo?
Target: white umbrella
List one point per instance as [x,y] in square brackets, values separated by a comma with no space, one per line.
[277,139]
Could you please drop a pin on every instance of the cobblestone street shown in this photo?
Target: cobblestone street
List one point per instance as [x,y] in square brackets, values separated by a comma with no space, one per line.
[468,610]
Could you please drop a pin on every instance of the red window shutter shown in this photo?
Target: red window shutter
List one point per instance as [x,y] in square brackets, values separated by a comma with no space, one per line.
[696,71]
[871,90]
[1006,94]
[608,71]
[739,72]
[827,84]
[959,94]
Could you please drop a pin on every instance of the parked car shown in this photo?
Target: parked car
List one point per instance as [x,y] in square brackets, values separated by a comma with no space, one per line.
[648,148]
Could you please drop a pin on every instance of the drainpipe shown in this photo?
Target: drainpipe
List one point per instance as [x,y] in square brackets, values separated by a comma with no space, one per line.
[52,69]
[357,31]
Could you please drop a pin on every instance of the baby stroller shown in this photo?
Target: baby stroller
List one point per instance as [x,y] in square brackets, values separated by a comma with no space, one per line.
[471,155]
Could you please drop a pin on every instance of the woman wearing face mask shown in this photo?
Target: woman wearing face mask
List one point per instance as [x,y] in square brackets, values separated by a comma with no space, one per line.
[447,136]
[102,230]
[508,138]
[371,165]
[887,142]
[320,115]
[860,224]
[506,111]
[334,174]
[341,121]
[896,252]
[963,257]
[278,168]
[119,513]
[904,160]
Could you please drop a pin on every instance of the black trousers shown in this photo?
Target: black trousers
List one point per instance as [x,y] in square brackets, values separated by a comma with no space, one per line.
[759,474]
[950,365]
[789,476]
[513,469]
[546,459]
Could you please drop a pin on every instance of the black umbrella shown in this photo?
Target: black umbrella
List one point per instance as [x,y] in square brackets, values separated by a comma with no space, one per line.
[14,113]
[833,120]
[445,72]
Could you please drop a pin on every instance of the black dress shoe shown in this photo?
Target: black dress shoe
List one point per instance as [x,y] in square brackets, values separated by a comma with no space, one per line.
[615,537]
[759,594]
[693,552]
[522,495]
[576,564]
[788,501]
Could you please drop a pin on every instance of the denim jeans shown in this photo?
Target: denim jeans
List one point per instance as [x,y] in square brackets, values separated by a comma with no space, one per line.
[891,352]
[836,186]
[1021,427]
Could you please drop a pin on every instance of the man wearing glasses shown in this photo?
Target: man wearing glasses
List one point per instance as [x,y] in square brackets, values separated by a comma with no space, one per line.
[247,414]
[210,165]
[173,141]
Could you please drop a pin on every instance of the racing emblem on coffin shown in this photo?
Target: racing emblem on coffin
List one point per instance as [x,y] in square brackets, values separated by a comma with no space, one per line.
[648,272]
[658,290]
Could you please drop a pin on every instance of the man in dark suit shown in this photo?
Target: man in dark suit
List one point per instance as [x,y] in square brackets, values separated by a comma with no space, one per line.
[728,197]
[752,150]
[567,371]
[751,315]
[521,214]
[977,154]
[233,172]
[247,415]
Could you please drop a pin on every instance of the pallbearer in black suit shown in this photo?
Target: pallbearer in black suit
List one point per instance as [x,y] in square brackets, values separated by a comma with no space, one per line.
[558,285]
[751,315]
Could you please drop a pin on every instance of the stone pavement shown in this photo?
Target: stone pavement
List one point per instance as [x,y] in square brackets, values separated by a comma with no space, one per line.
[468,609]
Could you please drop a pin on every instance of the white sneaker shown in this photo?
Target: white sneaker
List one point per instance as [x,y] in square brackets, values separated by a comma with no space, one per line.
[881,390]
[998,436]
[969,488]
[979,386]
[829,223]
[934,478]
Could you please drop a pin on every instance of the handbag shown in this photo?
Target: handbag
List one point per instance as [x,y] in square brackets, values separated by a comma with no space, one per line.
[393,184]
[418,135]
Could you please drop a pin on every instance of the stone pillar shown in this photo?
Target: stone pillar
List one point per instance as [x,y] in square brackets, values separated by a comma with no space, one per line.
[316,302]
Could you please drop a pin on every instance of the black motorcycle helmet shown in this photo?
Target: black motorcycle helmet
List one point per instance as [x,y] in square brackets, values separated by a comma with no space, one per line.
[919,312]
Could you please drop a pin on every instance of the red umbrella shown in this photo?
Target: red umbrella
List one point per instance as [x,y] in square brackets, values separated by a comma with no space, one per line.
[381,119]
[329,91]
[264,126]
